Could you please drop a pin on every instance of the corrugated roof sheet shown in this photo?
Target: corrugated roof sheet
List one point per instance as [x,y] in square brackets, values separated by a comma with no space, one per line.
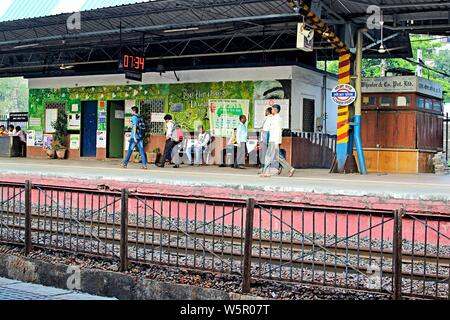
[24,9]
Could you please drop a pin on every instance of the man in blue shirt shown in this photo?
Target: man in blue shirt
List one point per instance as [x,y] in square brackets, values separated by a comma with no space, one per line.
[135,139]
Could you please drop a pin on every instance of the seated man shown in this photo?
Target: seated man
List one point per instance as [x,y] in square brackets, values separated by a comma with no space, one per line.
[199,146]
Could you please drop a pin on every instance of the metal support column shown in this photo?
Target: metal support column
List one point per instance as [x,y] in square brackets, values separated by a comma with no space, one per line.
[358,104]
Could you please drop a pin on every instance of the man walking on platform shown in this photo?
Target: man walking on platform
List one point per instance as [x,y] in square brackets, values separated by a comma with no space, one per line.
[136,138]
[273,155]
[171,141]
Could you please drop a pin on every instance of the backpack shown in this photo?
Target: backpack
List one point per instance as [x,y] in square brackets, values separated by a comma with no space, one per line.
[141,127]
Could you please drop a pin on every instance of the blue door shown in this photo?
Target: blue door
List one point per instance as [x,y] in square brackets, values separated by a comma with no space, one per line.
[89,129]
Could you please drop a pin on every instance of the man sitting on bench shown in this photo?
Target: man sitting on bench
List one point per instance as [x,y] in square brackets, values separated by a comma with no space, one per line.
[199,145]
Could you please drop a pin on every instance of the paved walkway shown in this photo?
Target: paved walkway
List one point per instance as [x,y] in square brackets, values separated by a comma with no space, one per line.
[16,290]
[407,186]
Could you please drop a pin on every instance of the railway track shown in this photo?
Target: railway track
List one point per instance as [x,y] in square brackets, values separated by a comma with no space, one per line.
[56,226]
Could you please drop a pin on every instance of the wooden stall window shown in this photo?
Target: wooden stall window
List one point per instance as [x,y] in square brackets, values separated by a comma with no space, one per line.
[420,103]
[428,104]
[369,101]
[403,101]
[437,105]
[386,101]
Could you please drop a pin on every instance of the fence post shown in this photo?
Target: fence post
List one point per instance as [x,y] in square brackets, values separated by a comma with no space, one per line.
[28,243]
[247,264]
[124,231]
[397,255]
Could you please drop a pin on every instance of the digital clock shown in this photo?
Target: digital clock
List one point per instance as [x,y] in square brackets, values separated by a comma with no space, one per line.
[133,63]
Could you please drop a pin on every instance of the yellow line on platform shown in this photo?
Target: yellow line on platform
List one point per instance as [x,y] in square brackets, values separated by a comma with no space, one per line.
[190,173]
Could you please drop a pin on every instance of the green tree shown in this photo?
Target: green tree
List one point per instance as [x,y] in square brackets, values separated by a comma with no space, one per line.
[435,54]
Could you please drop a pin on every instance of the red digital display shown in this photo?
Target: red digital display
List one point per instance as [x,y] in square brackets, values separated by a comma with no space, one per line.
[133,63]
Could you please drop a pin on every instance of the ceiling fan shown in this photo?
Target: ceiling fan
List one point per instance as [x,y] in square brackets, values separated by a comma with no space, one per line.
[66,67]
[383,49]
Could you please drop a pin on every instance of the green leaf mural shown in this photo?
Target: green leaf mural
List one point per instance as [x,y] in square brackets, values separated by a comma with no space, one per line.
[188,103]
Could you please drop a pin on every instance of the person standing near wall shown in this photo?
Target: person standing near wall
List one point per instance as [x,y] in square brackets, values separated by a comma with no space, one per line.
[23,140]
[136,138]
[273,156]
[242,138]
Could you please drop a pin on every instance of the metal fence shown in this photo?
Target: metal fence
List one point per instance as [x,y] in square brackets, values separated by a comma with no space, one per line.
[313,150]
[389,252]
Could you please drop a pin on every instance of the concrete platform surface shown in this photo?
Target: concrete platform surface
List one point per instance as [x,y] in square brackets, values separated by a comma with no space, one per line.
[16,290]
[397,186]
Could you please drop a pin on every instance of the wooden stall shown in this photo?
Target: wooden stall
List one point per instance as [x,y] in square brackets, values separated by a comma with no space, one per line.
[402,124]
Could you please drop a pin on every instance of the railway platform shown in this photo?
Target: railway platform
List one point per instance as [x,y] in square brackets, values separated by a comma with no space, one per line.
[423,193]
[319,181]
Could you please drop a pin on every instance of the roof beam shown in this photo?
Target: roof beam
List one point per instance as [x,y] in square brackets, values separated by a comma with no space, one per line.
[262,19]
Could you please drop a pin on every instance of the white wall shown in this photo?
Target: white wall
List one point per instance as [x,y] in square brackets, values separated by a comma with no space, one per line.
[308,84]
[192,76]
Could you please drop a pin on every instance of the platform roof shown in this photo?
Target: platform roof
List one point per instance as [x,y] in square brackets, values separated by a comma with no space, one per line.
[182,34]
[11,10]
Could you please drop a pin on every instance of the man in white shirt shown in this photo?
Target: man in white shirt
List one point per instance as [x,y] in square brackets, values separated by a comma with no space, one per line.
[242,138]
[171,142]
[199,146]
[273,151]
[264,136]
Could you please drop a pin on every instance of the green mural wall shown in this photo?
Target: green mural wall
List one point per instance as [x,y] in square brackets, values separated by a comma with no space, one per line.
[188,103]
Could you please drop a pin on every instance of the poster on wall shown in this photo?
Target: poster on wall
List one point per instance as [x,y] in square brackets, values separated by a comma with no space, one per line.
[119,114]
[224,115]
[73,121]
[157,117]
[262,105]
[177,107]
[102,120]
[75,142]
[101,139]
[39,138]
[47,140]
[34,122]
[31,138]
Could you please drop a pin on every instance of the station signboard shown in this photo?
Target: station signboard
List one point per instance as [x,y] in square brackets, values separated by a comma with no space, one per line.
[343,94]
